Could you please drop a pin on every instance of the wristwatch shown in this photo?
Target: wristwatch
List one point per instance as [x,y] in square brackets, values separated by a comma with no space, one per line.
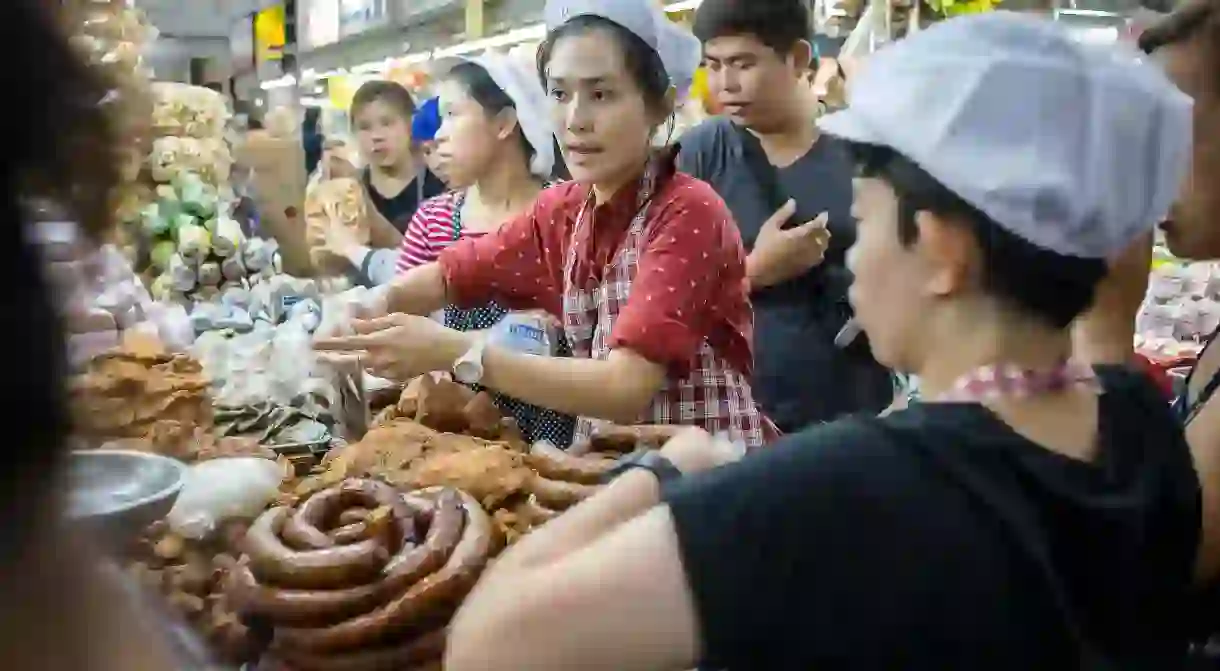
[468,369]
[649,460]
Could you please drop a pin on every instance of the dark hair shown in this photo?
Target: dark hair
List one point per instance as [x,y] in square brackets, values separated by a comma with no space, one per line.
[644,64]
[67,153]
[779,24]
[487,93]
[1188,20]
[68,147]
[390,93]
[1051,286]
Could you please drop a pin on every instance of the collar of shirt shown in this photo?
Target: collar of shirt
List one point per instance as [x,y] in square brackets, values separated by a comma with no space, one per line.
[597,243]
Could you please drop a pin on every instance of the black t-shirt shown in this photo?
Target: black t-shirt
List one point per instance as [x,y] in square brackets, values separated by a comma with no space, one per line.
[912,542]
[399,209]
[800,376]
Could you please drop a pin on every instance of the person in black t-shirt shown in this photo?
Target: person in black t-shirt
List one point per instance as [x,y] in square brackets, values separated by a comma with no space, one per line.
[763,152]
[1028,513]
[395,179]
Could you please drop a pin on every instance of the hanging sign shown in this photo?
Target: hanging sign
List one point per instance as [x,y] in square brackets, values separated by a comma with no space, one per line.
[269,35]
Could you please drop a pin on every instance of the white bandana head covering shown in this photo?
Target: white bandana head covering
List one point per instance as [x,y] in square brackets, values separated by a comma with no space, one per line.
[529,98]
[680,51]
[1075,148]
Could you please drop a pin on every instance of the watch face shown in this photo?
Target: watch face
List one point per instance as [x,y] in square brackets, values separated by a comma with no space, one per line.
[467,372]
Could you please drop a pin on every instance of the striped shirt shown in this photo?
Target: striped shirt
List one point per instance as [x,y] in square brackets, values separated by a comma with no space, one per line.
[430,231]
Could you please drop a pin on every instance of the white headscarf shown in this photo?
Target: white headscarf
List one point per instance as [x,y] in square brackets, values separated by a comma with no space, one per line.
[680,51]
[533,114]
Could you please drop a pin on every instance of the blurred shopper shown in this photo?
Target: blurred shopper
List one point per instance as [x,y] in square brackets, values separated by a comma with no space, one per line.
[311,137]
[396,181]
[62,612]
[1187,42]
[395,178]
[789,189]
[424,125]
[1028,513]
[642,264]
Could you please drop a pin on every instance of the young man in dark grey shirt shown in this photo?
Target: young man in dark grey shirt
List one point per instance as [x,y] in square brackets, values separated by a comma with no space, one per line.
[763,151]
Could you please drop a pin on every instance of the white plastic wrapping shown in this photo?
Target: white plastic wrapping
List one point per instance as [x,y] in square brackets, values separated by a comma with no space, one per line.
[223,489]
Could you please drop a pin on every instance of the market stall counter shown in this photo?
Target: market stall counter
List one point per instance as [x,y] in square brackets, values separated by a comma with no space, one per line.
[360,563]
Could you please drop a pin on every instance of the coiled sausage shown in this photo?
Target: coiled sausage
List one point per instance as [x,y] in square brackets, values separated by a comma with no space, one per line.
[446,586]
[275,563]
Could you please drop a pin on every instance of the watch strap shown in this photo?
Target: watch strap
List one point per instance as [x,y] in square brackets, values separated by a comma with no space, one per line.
[468,369]
[649,460]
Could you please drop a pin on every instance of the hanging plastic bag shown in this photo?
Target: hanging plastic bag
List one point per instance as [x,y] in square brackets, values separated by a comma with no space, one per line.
[223,489]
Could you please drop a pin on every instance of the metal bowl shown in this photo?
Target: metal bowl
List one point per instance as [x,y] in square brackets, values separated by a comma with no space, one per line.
[116,494]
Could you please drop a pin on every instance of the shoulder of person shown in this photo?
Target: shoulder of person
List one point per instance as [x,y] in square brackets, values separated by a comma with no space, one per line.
[710,133]
[688,198]
[556,197]
[441,206]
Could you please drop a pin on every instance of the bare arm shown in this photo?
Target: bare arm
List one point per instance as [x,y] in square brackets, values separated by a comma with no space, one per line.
[558,580]
[619,388]
[419,291]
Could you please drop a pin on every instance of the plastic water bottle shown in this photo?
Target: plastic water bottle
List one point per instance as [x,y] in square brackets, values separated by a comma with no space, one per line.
[525,332]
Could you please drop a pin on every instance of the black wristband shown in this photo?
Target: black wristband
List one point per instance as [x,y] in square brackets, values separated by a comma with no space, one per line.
[649,460]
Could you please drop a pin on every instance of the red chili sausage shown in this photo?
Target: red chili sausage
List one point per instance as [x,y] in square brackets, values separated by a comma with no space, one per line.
[275,563]
[447,585]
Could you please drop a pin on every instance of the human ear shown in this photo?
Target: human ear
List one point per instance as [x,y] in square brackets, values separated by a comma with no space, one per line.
[507,121]
[801,56]
[948,249]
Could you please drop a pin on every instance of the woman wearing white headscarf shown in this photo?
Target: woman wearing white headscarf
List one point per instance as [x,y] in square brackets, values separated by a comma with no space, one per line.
[496,147]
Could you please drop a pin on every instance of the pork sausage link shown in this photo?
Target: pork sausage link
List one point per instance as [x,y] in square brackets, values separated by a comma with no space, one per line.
[301,607]
[352,516]
[552,462]
[349,533]
[422,650]
[371,494]
[447,585]
[276,564]
[557,494]
[303,529]
[533,513]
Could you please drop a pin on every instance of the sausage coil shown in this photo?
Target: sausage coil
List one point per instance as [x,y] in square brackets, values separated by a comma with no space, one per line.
[434,592]
[430,547]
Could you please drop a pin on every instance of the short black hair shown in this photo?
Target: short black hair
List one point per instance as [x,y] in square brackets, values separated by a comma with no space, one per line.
[1048,285]
[779,24]
[393,94]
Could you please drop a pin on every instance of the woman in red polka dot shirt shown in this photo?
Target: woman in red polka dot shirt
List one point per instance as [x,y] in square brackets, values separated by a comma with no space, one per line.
[643,264]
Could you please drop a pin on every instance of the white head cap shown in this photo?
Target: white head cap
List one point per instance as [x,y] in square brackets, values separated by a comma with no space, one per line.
[680,51]
[533,113]
[1075,148]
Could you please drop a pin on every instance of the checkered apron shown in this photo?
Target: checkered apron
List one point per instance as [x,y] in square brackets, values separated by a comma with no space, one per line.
[713,396]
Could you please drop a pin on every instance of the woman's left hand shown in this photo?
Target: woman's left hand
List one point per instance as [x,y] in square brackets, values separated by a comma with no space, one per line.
[401,347]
